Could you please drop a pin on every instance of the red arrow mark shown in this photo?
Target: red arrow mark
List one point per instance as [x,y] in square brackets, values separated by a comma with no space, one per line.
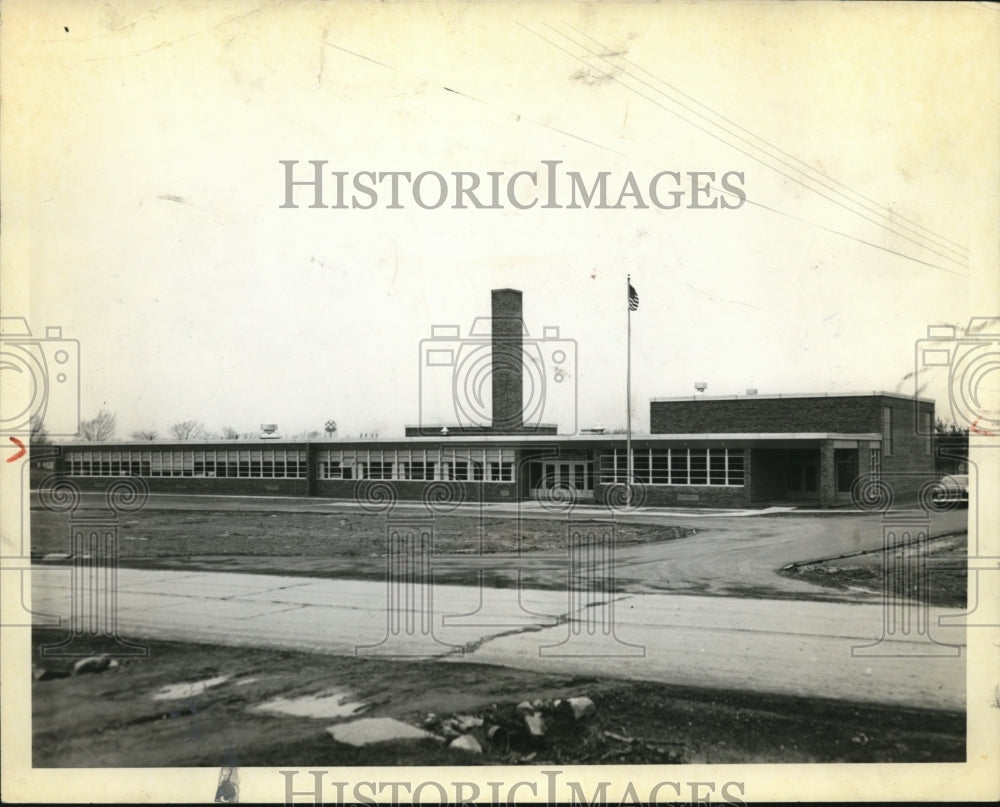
[20,453]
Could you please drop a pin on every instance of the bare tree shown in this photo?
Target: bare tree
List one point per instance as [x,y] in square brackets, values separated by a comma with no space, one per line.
[39,434]
[229,433]
[99,428]
[951,447]
[147,435]
[188,430]
[39,438]
[308,435]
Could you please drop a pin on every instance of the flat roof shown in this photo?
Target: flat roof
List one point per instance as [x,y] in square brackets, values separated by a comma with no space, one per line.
[501,439]
[745,396]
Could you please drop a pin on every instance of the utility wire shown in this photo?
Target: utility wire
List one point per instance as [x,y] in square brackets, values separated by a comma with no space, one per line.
[518,117]
[741,150]
[876,208]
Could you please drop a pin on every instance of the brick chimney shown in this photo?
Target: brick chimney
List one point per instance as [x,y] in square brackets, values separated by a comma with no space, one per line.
[508,360]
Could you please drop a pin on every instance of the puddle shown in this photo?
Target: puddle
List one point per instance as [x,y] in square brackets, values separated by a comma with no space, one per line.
[328,704]
[189,690]
[244,681]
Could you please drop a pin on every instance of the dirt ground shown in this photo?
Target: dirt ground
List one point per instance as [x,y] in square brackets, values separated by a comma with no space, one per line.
[946,585]
[348,545]
[352,546]
[112,718]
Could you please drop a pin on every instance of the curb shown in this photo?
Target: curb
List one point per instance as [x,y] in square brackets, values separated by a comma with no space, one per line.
[860,552]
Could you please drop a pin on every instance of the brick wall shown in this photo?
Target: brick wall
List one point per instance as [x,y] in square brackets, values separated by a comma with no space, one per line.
[336,489]
[204,485]
[413,491]
[847,414]
[686,495]
[910,464]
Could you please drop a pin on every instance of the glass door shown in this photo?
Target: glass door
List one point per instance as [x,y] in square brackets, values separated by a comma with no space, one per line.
[575,475]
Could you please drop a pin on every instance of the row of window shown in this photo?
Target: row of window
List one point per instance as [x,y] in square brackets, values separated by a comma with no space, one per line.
[248,463]
[668,466]
[462,465]
[657,466]
[675,466]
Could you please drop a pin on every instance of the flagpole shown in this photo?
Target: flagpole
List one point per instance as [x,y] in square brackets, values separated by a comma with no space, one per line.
[629,478]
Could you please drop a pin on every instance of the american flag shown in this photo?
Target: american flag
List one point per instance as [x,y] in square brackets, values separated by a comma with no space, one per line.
[633,298]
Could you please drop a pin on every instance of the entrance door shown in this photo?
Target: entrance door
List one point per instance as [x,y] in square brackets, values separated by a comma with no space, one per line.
[802,474]
[575,475]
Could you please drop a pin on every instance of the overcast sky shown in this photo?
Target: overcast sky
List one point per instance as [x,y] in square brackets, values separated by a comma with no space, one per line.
[143,206]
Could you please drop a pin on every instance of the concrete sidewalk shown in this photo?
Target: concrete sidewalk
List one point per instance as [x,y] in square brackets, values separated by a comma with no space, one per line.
[529,508]
[780,646]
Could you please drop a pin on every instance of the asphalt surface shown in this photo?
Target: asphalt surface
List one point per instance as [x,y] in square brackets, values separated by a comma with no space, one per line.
[809,649]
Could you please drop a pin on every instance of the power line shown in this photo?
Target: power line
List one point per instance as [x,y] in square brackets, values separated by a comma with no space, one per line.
[734,146]
[518,117]
[853,237]
[878,208]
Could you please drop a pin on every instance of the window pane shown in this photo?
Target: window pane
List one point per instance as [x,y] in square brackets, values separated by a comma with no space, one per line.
[699,466]
[736,467]
[717,466]
[678,466]
[659,467]
[640,467]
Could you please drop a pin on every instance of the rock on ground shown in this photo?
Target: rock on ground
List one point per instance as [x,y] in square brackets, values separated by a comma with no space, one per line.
[370,730]
[582,707]
[93,664]
[535,723]
[467,743]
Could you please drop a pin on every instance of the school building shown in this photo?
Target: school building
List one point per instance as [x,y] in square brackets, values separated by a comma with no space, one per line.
[728,451]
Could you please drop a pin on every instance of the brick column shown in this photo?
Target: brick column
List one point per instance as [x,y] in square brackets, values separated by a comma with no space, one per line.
[827,475]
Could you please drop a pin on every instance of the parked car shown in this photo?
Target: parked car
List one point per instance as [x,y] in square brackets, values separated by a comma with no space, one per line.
[952,489]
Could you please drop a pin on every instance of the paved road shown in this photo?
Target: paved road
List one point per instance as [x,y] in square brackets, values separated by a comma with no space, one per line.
[803,648]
